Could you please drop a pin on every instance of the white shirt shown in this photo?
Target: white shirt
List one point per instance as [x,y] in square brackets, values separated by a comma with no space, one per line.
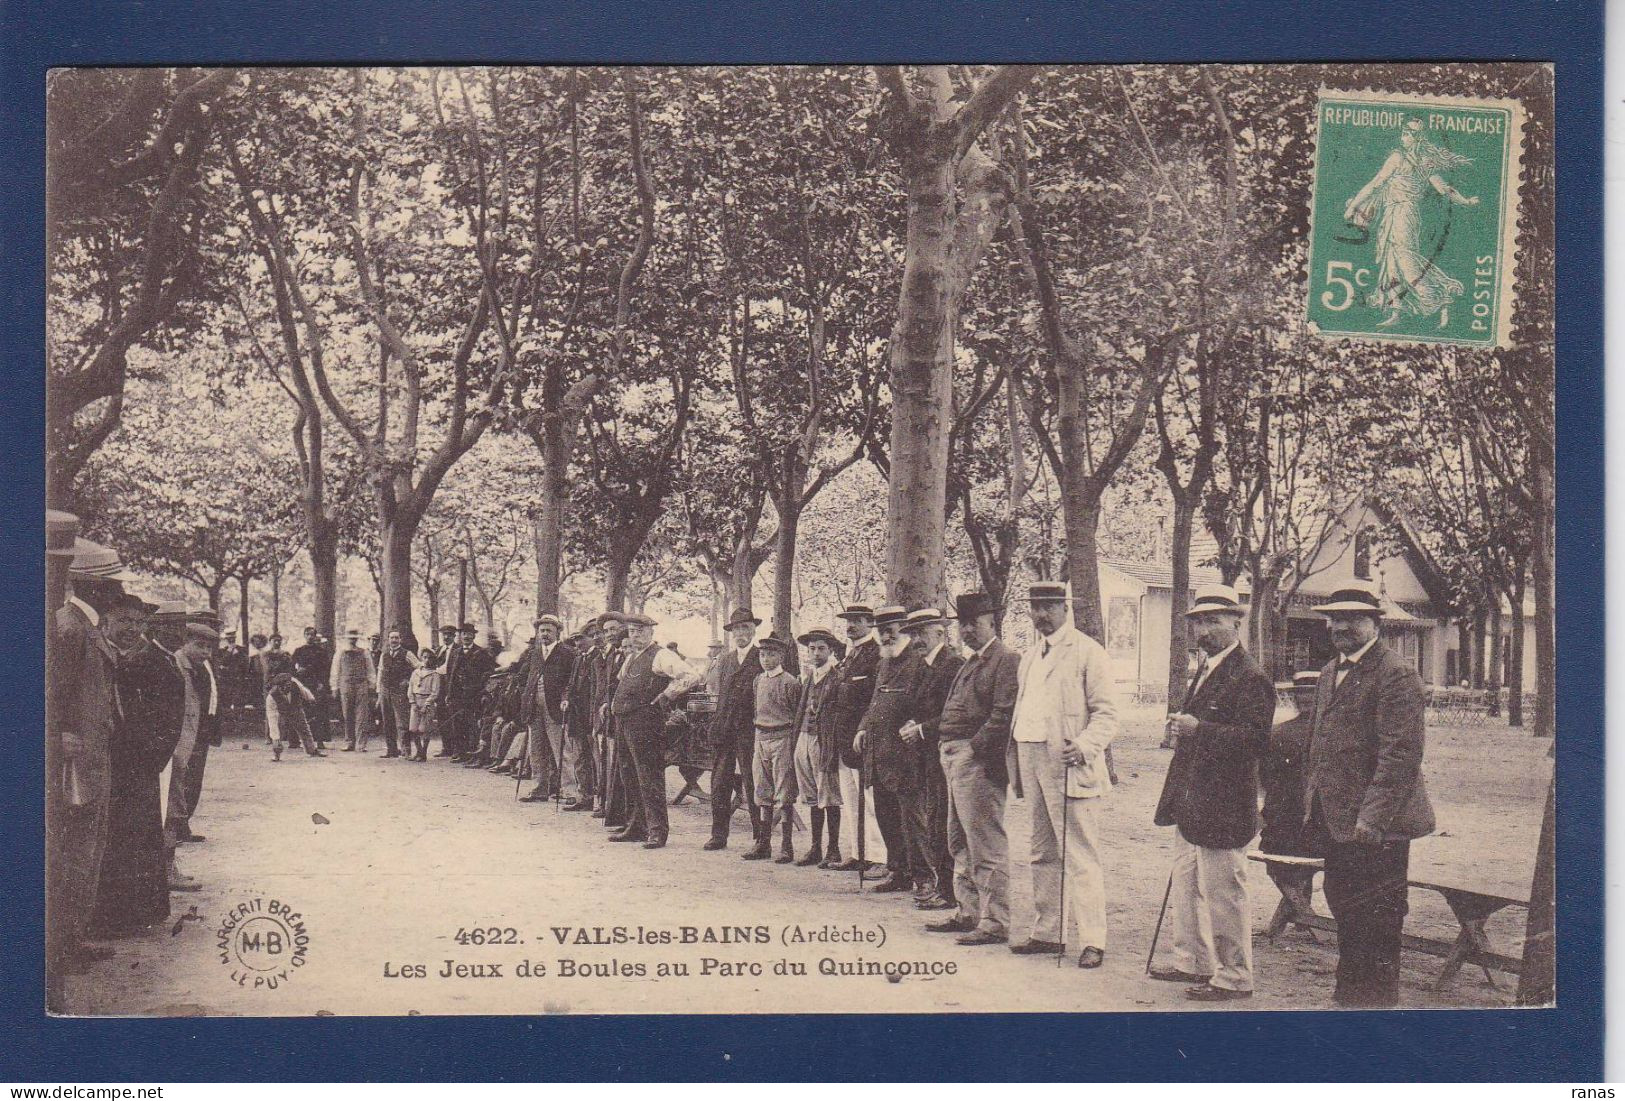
[1036,700]
[1210,662]
[931,658]
[1346,662]
[667,664]
[816,673]
[90,613]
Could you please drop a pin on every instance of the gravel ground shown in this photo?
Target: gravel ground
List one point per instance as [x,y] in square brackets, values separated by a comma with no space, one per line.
[412,853]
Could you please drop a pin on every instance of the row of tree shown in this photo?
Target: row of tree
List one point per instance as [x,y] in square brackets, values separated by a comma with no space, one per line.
[1049,306]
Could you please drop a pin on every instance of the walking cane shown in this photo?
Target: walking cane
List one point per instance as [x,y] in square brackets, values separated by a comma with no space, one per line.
[1157,933]
[1066,807]
[863,828]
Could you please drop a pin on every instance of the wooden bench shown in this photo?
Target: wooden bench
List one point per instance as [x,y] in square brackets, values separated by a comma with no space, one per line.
[1470,908]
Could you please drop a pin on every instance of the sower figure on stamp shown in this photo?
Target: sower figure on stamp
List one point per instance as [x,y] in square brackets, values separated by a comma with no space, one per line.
[1210,797]
[650,680]
[890,762]
[776,700]
[1365,800]
[1281,775]
[974,737]
[927,629]
[852,696]
[733,730]
[817,746]
[1065,717]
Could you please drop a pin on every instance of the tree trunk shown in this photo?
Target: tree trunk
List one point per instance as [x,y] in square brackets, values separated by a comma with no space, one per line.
[784,566]
[1545,612]
[324,570]
[548,528]
[1179,638]
[742,579]
[1497,658]
[242,609]
[1515,653]
[921,383]
[395,582]
[1537,981]
[276,602]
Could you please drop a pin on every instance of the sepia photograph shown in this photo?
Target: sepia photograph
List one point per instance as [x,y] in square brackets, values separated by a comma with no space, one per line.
[800,539]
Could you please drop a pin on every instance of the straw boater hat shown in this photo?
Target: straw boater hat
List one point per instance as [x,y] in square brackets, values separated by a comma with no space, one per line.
[1353,596]
[1046,590]
[923,617]
[890,613]
[1216,598]
[169,612]
[94,562]
[856,611]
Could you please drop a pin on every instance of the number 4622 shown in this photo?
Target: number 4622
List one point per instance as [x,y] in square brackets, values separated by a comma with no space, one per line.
[1329,298]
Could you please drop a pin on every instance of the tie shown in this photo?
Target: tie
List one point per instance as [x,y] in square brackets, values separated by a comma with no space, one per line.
[1201,675]
[1044,651]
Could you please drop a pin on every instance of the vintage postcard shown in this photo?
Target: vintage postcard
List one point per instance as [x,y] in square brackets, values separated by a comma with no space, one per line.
[800,539]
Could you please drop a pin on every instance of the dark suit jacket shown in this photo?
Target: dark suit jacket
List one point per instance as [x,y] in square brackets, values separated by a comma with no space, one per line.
[555,674]
[735,717]
[1211,791]
[852,695]
[1280,774]
[893,764]
[1365,755]
[984,698]
[469,671]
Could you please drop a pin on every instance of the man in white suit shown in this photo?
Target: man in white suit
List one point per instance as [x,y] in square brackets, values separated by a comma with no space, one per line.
[1064,720]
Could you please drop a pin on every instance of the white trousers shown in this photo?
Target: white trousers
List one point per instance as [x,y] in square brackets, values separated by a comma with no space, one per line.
[874,845]
[1059,822]
[1209,916]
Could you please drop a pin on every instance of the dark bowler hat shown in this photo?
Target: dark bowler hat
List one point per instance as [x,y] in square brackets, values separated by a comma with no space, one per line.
[890,613]
[469,629]
[134,603]
[856,611]
[741,618]
[1216,598]
[607,618]
[1353,596]
[1046,590]
[970,606]
[448,630]
[818,634]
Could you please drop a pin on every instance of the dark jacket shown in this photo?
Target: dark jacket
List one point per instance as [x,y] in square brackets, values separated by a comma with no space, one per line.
[852,695]
[980,706]
[469,670]
[1281,774]
[1365,755]
[1211,791]
[818,714]
[554,674]
[736,708]
[893,764]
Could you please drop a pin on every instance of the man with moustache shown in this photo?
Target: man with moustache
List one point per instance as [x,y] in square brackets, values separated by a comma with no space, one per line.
[576,707]
[1364,795]
[974,737]
[925,805]
[890,764]
[353,678]
[194,659]
[549,667]
[1064,719]
[852,695]
[471,666]
[311,664]
[650,679]
[395,665]
[733,730]
[1210,797]
[612,755]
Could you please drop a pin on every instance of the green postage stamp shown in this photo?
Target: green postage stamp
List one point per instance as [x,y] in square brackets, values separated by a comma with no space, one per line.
[1414,217]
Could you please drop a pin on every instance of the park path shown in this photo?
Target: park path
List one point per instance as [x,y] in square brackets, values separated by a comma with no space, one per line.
[410,854]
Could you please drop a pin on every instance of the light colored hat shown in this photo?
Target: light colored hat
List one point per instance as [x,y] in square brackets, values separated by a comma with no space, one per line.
[890,613]
[1216,598]
[923,617]
[549,620]
[203,631]
[1353,596]
[170,611]
[94,562]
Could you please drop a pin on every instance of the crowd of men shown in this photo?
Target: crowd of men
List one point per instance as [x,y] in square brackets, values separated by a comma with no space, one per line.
[890,718]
